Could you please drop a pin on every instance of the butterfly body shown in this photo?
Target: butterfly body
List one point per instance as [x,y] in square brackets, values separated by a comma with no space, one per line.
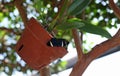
[54,42]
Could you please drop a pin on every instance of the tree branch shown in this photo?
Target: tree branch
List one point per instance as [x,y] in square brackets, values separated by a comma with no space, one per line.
[80,66]
[23,68]
[97,51]
[22,11]
[20,7]
[8,3]
[115,8]
[9,30]
[78,42]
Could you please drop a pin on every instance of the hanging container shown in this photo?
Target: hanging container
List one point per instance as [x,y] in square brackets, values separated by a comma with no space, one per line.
[32,47]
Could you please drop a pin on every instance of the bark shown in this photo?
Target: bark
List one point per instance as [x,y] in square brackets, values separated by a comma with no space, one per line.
[45,71]
[22,10]
[115,8]
[78,42]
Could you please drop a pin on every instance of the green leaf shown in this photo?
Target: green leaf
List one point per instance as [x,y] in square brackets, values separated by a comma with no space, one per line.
[83,26]
[39,5]
[75,4]
[2,33]
[95,30]
[70,24]
[1,16]
[78,6]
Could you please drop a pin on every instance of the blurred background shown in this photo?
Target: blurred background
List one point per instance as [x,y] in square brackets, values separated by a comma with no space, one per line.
[52,14]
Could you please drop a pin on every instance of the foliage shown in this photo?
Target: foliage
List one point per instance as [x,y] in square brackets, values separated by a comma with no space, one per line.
[83,26]
[59,66]
[78,6]
[89,17]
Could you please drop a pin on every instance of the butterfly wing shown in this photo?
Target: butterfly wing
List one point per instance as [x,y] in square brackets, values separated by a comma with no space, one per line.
[54,42]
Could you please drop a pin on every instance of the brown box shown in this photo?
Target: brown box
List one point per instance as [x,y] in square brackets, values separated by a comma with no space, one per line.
[32,47]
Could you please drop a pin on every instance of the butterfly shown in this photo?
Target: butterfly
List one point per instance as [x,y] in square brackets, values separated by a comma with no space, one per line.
[55,42]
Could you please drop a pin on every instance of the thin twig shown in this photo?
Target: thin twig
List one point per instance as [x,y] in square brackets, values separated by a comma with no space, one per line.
[78,42]
[8,3]
[5,62]
[9,30]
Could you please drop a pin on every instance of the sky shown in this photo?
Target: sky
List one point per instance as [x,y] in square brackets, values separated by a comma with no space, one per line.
[106,66]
